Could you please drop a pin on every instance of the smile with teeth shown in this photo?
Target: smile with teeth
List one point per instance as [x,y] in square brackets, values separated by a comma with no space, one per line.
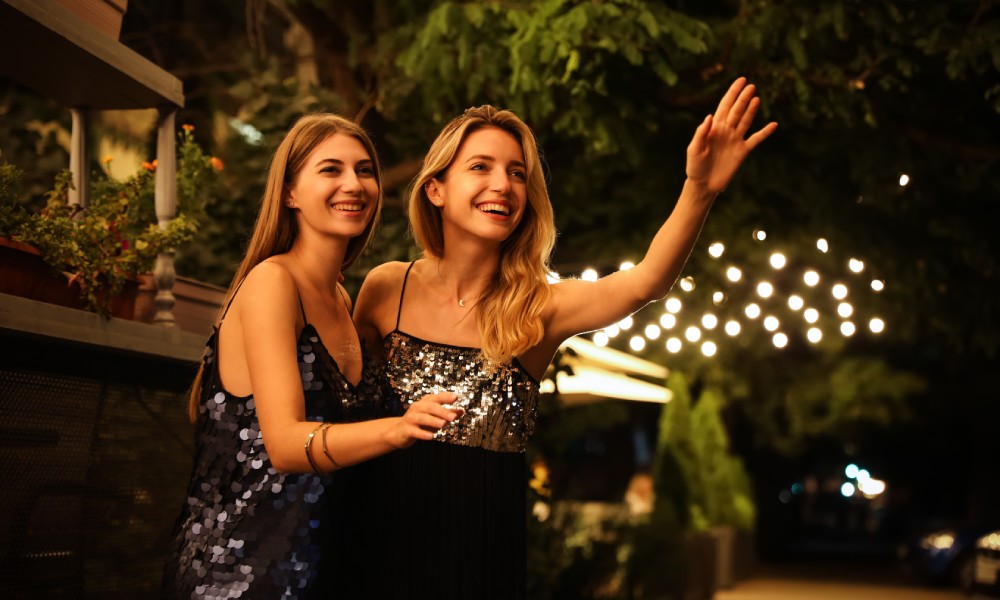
[349,206]
[494,208]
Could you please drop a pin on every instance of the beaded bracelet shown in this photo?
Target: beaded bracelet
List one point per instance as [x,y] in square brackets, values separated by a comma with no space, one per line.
[309,441]
[325,451]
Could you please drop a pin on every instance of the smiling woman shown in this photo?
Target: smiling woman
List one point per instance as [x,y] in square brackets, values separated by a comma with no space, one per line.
[477,316]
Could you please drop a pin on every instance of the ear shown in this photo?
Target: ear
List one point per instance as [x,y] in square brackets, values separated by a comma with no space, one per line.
[288,199]
[434,192]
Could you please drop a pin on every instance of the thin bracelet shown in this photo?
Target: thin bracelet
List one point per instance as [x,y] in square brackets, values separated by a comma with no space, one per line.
[325,451]
[309,441]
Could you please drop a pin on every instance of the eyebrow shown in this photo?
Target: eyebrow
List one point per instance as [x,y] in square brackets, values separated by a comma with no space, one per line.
[337,161]
[515,163]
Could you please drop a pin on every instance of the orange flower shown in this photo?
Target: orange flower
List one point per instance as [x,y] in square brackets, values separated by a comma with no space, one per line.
[107,159]
[216,163]
[149,166]
[187,127]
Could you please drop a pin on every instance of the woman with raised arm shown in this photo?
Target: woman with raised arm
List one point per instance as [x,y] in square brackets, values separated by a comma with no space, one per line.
[275,401]
[477,317]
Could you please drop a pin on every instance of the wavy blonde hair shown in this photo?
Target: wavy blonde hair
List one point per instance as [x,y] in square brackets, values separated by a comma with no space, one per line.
[510,310]
[275,230]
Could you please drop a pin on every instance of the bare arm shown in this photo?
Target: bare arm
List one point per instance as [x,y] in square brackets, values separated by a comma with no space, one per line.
[715,153]
[268,315]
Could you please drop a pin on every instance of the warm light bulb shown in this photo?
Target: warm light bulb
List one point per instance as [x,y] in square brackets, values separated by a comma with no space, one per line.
[904,179]
[839,291]
[878,285]
[674,345]
[876,325]
[625,323]
[733,274]
[759,234]
[718,298]
[589,275]
[687,283]
[814,335]
[601,338]
[844,310]
[752,311]
[667,321]
[625,266]
[822,245]
[709,348]
[811,278]
[795,302]
[693,334]
[732,328]
[771,323]
[716,250]
[780,340]
[856,265]
[612,330]
[765,289]
[847,328]
[778,260]
[709,321]
[637,343]
[673,305]
[811,315]
[652,331]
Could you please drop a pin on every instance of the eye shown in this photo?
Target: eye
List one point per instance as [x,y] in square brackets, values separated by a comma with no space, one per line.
[478,167]
[519,174]
[366,171]
[329,169]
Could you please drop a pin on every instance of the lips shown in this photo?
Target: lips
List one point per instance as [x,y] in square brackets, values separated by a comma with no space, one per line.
[353,206]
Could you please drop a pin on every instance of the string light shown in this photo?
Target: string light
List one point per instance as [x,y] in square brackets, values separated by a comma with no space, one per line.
[625,266]
[847,328]
[765,289]
[612,330]
[708,348]
[589,275]
[845,310]
[839,291]
[652,331]
[814,335]
[811,315]
[687,284]
[778,260]
[780,340]
[626,323]
[637,343]
[693,334]
[822,245]
[674,345]
[601,338]
[759,234]
[668,321]
[752,311]
[709,321]
[856,265]
[878,285]
[811,278]
[795,302]
[732,328]
[673,305]
[771,323]
[734,274]
[716,250]
[718,298]
[876,325]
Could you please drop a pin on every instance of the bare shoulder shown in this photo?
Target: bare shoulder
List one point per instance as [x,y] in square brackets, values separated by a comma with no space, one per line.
[385,276]
[268,285]
[376,303]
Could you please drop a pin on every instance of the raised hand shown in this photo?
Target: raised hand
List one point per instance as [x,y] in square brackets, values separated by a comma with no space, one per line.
[718,147]
[424,418]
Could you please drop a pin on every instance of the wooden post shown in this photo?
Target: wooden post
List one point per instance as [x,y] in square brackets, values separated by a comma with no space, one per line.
[79,158]
[166,209]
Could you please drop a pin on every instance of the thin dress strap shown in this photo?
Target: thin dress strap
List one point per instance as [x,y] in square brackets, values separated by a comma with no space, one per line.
[399,311]
[230,303]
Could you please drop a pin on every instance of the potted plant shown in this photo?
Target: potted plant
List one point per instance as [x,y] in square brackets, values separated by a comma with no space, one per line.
[96,253]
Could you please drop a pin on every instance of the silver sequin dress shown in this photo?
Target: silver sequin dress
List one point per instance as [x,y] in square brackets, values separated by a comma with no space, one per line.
[246,530]
[452,511]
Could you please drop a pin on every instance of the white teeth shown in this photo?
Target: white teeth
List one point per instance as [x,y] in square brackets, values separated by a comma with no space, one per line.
[493,207]
[348,207]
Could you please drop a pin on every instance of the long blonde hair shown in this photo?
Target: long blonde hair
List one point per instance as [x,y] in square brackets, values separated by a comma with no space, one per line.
[275,230]
[510,310]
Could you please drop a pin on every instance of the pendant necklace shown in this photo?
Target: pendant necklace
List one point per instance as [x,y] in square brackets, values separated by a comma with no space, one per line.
[461,303]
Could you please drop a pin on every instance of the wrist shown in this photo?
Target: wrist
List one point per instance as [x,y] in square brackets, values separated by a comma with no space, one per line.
[698,191]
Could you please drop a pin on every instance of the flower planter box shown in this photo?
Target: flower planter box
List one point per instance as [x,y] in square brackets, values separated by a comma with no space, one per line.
[23,273]
[103,15]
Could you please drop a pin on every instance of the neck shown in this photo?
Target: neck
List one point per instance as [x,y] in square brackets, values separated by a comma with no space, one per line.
[465,273]
[319,262]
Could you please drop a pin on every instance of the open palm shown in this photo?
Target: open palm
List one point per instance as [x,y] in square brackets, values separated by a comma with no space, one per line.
[718,147]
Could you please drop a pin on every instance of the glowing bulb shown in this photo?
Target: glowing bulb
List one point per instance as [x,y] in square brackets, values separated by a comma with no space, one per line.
[811,315]
[667,321]
[847,328]
[765,289]
[732,328]
[612,330]
[626,323]
[716,250]
[601,338]
[851,471]
[780,340]
[589,275]
[552,277]
[878,285]
[839,291]
[718,298]
[795,302]
[625,266]
[903,180]
[652,331]
[778,260]
[637,343]
[687,284]
[673,305]
[822,245]
[752,311]
[674,345]
[759,234]
[708,349]
[876,325]
[811,278]
[856,265]
[733,274]
[693,334]
[847,490]
[814,335]
[709,321]
[844,309]
[771,323]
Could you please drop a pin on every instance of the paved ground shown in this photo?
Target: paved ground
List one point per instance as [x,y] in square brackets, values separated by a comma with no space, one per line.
[819,582]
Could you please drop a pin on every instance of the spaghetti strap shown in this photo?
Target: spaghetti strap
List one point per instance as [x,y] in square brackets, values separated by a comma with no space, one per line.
[230,303]
[399,311]
[343,296]
[301,308]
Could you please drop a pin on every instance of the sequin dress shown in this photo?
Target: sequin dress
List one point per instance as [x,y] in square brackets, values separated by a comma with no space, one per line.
[246,530]
[453,509]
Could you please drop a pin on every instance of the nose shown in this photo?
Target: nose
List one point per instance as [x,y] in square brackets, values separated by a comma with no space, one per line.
[350,181]
[500,181]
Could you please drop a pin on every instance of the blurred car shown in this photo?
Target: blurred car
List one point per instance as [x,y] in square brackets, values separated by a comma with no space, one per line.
[986,572]
[945,556]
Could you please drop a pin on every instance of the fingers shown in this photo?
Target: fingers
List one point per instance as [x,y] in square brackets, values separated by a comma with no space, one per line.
[726,104]
[700,138]
[744,125]
[440,398]
[738,112]
[764,133]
